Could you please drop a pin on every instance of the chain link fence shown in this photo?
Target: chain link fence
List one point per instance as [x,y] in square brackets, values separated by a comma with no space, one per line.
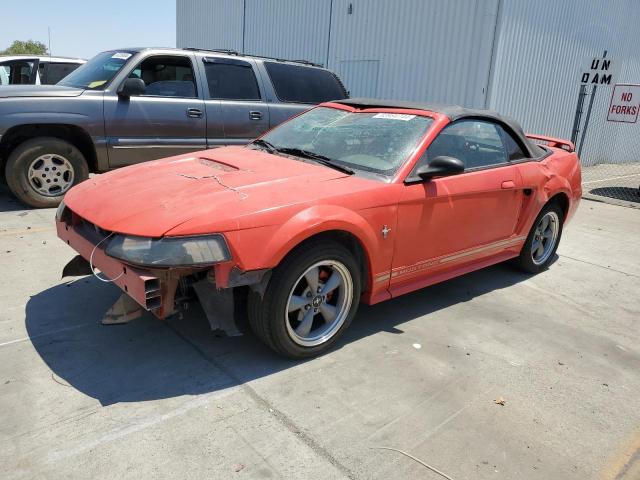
[609,151]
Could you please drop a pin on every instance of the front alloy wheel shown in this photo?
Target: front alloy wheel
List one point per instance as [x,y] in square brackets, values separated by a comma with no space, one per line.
[319,303]
[310,300]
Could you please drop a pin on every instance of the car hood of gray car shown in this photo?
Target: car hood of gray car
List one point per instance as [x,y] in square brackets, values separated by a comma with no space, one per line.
[39,91]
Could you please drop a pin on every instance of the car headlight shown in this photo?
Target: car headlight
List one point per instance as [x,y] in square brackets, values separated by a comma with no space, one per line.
[169,251]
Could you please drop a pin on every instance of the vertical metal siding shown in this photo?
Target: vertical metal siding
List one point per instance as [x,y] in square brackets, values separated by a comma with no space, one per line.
[442,51]
[209,23]
[406,49]
[540,50]
[427,49]
[291,29]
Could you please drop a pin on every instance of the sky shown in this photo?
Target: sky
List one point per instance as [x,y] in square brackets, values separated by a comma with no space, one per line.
[85,28]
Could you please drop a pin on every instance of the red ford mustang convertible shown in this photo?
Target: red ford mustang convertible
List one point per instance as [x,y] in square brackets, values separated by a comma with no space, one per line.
[356,200]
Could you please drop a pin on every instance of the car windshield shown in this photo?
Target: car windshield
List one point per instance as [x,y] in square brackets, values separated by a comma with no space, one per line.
[97,72]
[365,141]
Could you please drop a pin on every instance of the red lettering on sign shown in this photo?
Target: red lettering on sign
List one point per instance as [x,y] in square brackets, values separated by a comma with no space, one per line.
[624,106]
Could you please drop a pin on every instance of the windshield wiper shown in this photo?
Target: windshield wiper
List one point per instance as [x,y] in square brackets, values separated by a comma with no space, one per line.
[316,157]
[263,143]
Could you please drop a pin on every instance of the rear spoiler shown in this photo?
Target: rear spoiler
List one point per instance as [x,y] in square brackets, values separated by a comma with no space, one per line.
[553,142]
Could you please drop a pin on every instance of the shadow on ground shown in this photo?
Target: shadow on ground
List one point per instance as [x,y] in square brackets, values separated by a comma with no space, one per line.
[148,359]
[9,203]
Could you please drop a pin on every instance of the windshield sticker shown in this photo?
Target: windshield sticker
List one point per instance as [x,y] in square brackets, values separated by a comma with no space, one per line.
[121,55]
[97,83]
[395,116]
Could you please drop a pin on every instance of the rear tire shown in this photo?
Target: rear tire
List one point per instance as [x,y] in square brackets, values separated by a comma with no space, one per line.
[41,170]
[543,240]
[310,300]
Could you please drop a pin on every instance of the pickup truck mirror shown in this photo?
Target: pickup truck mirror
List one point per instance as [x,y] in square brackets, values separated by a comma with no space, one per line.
[131,87]
[441,166]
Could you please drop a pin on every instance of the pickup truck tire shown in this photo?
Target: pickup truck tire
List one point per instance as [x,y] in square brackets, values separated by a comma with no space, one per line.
[309,301]
[41,170]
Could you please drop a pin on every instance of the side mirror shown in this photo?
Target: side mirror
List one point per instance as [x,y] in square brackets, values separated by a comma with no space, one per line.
[441,166]
[132,87]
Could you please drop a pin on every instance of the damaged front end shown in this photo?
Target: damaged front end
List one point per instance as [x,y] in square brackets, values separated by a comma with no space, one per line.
[158,275]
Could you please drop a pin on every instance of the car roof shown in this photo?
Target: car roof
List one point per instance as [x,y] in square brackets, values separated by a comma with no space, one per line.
[453,112]
[223,52]
[42,58]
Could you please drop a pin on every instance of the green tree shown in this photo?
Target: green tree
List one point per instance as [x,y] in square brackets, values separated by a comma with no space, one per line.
[30,47]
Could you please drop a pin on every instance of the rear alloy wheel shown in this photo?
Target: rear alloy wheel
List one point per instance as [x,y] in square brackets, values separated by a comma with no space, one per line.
[310,300]
[542,241]
[41,170]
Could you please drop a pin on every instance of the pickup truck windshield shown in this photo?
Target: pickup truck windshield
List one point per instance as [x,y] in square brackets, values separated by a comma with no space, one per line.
[97,72]
[375,142]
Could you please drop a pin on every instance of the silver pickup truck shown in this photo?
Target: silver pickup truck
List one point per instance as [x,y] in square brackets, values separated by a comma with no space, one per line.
[132,105]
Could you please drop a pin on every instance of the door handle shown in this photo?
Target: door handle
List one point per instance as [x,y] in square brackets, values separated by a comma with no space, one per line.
[508,184]
[254,115]
[194,112]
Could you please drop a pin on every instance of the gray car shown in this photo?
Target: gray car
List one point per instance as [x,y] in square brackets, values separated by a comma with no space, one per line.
[131,105]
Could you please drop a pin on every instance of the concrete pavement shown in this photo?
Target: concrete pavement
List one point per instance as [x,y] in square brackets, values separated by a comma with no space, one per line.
[421,374]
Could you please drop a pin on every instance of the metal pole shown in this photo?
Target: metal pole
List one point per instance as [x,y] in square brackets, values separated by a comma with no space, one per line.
[578,115]
[586,120]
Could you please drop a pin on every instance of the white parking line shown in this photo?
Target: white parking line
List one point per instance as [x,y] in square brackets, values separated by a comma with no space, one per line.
[612,178]
[74,327]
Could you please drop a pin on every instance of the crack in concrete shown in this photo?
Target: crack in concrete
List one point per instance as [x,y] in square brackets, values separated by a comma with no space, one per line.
[281,417]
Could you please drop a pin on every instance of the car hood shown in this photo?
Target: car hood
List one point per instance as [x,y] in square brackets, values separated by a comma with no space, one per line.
[39,91]
[217,190]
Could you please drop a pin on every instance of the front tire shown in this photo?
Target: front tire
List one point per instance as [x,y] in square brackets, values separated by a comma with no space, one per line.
[543,240]
[309,301]
[41,170]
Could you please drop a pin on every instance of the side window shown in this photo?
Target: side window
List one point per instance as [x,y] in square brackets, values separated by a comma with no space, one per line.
[477,143]
[57,71]
[299,84]
[20,72]
[167,76]
[231,81]
[514,152]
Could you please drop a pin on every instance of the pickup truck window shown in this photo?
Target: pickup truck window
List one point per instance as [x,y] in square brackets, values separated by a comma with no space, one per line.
[167,76]
[97,72]
[299,84]
[232,81]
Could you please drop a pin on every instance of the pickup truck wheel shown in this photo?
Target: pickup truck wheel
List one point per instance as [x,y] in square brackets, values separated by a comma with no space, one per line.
[310,300]
[542,241]
[41,170]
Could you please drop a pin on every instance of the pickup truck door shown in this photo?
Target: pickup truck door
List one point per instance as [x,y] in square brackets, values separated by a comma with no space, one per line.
[168,119]
[458,221]
[236,100]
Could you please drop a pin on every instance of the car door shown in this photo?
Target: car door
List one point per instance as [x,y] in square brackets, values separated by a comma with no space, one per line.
[167,119]
[458,220]
[234,92]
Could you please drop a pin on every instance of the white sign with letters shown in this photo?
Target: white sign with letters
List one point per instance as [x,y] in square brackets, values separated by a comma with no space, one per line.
[625,103]
[599,71]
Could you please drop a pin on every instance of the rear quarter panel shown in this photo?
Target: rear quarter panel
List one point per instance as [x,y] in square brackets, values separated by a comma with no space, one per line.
[559,173]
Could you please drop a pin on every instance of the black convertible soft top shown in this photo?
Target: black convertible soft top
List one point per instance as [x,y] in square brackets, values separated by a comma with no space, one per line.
[453,112]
